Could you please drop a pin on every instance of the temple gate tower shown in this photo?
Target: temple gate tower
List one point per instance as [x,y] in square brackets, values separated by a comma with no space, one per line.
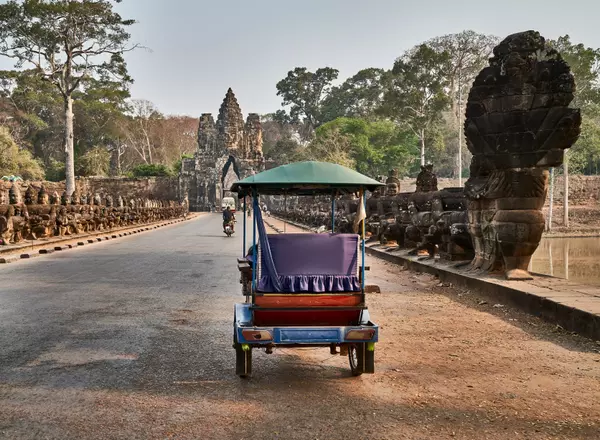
[228,150]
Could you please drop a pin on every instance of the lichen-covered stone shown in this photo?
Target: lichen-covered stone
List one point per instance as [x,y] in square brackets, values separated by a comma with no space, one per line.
[518,124]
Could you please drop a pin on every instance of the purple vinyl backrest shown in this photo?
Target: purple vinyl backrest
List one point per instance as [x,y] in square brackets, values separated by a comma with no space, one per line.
[314,254]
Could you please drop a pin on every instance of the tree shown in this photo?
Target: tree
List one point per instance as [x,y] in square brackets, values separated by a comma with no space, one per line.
[585,66]
[138,129]
[14,161]
[358,97]
[584,156]
[332,146]
[67,42]
[34,113]
[147,170]
[305,92]
[416,96]
[468,52]
[94,162]
[374,146]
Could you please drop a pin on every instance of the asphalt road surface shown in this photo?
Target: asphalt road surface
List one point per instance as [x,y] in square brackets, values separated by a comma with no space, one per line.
[131,339]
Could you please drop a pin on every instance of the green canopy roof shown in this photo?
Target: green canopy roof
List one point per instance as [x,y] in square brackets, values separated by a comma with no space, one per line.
[306,178]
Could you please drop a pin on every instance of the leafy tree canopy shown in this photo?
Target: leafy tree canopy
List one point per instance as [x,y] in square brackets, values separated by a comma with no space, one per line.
[14,161]
[305,91]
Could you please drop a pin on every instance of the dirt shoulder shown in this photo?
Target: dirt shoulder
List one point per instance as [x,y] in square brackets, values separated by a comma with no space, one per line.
[451,364]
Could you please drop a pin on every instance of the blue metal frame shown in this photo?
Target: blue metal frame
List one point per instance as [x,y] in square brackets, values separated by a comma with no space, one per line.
[254,249]
[300,335]
[244,241]
[362,269]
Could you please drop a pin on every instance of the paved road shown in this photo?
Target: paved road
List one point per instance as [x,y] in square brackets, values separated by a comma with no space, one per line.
[131,339]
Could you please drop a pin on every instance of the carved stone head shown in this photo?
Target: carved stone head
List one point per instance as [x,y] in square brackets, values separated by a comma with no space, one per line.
[426,180]
[65,199]
[76,197]
[55,198]
[120,201]
[42,197]
[29,195]
[3,198]
[14,194]
[97,200]
[109,201]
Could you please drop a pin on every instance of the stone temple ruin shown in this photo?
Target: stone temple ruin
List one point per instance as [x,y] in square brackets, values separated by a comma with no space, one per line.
[228,150]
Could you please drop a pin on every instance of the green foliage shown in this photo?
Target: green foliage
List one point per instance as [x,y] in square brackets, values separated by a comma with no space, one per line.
[177,164]
[585,66]
[584,156]
[14,161]
[371,147]
[283,151]
[305,92]
[55,171]
[417,95]
[358,97]
[331,146]
[94,162]
[66,43]
[150,170]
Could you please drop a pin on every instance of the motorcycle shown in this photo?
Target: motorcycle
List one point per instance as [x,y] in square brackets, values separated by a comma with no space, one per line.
[229,228]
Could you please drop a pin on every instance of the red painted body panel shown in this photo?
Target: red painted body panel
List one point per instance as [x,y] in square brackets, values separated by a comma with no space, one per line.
[306,317]
[290,300]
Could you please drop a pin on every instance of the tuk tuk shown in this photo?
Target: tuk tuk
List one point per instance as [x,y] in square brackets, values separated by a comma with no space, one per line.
[304,289]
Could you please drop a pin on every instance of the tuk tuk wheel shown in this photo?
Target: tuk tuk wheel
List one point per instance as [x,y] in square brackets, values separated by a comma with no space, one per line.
[361,359]
[243,361]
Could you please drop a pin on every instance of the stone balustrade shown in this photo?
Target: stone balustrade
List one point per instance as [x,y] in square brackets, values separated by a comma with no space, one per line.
[41,215]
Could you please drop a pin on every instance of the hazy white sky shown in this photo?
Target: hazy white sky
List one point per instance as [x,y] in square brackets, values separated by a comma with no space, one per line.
[199,48]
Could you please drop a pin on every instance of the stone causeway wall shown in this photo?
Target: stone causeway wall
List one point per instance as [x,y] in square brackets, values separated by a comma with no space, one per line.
[158,188]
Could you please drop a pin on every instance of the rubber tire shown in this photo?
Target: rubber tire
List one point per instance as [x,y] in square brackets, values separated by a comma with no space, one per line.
[361,360]
[243,362]
[356,353]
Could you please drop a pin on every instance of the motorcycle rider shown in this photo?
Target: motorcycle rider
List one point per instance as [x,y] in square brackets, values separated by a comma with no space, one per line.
[228,217]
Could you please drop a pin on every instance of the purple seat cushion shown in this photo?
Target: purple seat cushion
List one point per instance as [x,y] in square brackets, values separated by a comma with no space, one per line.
[312,263]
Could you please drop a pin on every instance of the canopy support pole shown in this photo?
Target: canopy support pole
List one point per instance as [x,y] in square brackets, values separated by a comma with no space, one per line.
[244,240]
[285,211]
[362,269]
[254,249]
[333,213]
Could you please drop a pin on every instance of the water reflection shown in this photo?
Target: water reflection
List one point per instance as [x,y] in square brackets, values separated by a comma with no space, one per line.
[575,259]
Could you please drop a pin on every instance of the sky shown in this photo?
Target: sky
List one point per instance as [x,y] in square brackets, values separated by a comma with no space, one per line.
[199,48]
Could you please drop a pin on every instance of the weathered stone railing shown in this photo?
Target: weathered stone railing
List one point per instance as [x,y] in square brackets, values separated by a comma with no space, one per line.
[41,216]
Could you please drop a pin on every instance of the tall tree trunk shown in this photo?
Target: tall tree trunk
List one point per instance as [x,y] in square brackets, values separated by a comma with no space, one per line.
[69,146]
[566,196]
[422,147]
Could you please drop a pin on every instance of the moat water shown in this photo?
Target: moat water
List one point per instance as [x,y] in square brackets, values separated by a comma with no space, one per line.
[575,259]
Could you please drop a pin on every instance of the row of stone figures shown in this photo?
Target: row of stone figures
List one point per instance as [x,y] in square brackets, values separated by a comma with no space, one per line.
[428,219]
[41,215]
